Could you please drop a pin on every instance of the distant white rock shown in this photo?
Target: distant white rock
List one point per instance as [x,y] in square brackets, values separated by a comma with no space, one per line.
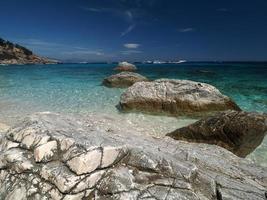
[125,66]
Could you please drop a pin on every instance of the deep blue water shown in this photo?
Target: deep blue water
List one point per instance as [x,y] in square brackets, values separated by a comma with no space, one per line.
[76,88]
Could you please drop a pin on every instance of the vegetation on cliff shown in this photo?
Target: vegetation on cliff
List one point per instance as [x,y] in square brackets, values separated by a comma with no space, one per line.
[11,53]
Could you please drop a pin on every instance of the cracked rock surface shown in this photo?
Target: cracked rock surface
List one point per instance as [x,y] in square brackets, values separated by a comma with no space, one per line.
[80,162]
[175,97]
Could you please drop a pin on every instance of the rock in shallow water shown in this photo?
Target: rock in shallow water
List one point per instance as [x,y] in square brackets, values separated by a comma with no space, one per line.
[239,132]
[125,66]
[123,79]
[126,165]
[175,97]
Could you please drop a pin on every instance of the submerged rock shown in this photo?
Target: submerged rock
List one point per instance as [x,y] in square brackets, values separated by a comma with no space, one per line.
[98,164]
[125,66]
[239,132]
[123,79]
[175,97]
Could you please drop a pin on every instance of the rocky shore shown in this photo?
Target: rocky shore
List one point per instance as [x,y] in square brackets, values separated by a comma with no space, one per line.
[64,157]
[11,54]
[51,156]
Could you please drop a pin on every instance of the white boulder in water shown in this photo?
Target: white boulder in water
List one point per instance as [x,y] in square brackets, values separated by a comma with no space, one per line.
[125,66]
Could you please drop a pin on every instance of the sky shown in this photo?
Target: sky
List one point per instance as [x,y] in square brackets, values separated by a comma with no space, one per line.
[138,30]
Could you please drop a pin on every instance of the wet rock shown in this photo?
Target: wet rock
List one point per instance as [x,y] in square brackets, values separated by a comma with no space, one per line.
[125,66]
[123,79]
[99,164]
[239,132]
[175,97]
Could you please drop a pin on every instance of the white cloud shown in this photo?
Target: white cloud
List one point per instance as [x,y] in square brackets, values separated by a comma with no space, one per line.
[129,15]
[94,9]
[131,45]
[84,52]
[223,9]
[185,30]
[37,42]
[128,30]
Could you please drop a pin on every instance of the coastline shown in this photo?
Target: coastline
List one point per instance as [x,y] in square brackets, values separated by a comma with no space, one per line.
[86,141]
[80,157]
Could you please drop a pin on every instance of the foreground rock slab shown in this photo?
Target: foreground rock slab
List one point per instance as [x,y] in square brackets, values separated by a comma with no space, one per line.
[175,97]
[239,132]
[98,164]
[125,66]
[123,79]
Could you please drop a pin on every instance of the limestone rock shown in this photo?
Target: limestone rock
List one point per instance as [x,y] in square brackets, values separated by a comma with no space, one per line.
[117,180]
[175,97]
[59,175]
[239,132]
[90,181]
[123,79]
[98,164]
[111,155]
[78,196]
[19,193]
[125,66]
[45,152]
[86,163]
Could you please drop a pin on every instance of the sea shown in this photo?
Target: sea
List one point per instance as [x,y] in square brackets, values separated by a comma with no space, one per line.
[77,89]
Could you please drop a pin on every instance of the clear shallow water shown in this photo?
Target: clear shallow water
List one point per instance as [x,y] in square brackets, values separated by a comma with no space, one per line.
[76,88]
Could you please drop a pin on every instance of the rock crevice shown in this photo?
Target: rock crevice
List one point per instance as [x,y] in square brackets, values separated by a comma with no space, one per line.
[82,163]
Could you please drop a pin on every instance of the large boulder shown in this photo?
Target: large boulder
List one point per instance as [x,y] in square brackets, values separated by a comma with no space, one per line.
[175,97]
[50,156]
[239,132]
[123,79]
[125,66]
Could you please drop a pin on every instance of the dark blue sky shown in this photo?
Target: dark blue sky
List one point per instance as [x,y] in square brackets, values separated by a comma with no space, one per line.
[110,30]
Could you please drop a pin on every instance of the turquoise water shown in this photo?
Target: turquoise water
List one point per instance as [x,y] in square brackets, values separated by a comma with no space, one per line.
[76,88]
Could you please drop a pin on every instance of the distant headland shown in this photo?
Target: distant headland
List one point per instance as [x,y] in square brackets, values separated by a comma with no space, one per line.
[11,53]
